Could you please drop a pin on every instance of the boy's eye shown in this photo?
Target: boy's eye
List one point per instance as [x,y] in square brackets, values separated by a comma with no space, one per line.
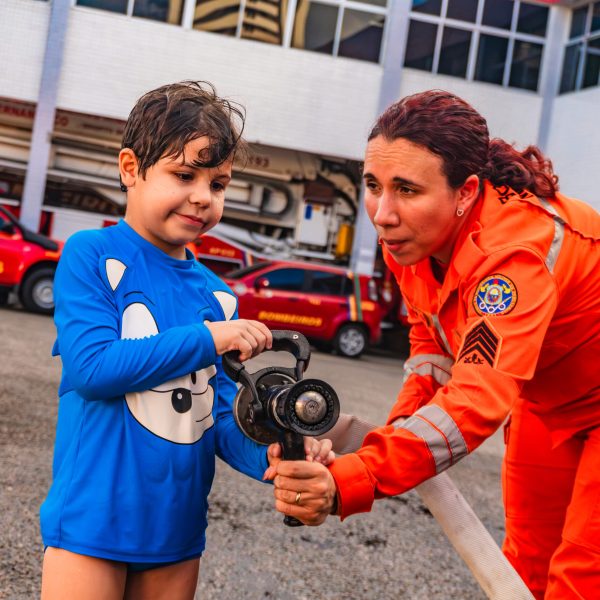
[184,176]
[218,186]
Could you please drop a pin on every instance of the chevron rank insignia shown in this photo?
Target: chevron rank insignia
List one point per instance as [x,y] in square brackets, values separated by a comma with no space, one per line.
[481,344]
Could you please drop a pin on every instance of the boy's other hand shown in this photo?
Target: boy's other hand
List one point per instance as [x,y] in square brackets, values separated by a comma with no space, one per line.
[315,451]
[249,338]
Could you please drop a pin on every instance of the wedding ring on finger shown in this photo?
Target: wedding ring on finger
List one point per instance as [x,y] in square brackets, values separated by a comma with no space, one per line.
[298,495]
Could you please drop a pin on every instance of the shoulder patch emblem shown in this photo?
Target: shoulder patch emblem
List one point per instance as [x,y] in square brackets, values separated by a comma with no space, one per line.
[481,344]
[495,295]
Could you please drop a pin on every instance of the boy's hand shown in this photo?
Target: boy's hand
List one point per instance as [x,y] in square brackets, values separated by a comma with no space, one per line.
[249,338]
[314,449]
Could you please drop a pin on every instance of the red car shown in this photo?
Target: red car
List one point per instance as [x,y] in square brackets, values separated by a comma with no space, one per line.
[325,303]
[27,264]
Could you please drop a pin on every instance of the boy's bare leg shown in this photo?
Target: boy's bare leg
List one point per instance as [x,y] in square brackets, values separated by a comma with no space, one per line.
[70,576]
[175,582]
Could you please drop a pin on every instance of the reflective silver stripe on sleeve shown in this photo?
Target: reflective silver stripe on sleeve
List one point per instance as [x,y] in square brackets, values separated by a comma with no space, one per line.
[437,366]
[445,423]
[559,235]
[434,439]
[445,450]
[442,333]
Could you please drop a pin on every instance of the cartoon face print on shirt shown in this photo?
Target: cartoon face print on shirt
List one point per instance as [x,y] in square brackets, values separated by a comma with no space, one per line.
[179,410]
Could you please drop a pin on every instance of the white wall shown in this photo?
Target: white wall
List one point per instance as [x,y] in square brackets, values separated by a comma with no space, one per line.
[23,32]
[574,144]
[294,99]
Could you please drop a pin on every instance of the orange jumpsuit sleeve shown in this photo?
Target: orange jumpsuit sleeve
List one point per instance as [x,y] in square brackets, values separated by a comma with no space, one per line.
[426,370]
[497,354]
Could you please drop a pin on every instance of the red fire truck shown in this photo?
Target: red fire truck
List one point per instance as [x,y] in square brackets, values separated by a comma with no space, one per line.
[27,264]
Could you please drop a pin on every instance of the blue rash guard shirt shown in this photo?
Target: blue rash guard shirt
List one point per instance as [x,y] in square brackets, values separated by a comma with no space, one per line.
[144,402]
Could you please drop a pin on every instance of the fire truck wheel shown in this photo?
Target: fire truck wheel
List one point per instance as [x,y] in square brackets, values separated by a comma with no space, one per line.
[36,292]
[351,340]
[4,294]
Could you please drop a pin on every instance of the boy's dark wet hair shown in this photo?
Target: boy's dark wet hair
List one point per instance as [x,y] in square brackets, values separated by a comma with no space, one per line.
[164,120]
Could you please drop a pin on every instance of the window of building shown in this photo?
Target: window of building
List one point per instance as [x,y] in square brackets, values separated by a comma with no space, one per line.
[454,54]
[462,10]
[339,28]
[581,64]
[420,46]
[119,6]
[315,27]
[166,11]
[349,28]
[495,41]
[361,35]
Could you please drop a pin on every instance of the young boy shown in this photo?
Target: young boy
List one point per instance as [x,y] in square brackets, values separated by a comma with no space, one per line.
[144,403]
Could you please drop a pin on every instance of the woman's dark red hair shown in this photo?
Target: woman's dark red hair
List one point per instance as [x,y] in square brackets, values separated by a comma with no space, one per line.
[451,128]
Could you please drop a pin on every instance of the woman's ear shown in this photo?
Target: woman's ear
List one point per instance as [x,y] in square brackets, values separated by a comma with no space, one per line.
[468,193]
[128,167]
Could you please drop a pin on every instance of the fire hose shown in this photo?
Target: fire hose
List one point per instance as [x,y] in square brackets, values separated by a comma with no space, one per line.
[474,544]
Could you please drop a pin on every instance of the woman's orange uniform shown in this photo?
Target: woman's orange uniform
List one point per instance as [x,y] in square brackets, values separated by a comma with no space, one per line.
[515,326]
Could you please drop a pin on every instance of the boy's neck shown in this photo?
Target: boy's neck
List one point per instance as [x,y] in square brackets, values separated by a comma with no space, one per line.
[174,251]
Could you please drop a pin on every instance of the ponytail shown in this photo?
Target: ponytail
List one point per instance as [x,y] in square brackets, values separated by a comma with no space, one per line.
[528,170]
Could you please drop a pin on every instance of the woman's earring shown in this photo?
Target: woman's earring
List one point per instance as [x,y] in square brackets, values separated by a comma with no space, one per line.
[460,212]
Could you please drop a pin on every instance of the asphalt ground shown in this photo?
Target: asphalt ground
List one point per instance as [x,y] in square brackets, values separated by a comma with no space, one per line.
[397,551]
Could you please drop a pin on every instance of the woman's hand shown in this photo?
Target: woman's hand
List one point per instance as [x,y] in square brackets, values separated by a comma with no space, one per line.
[303,489]
[249,338]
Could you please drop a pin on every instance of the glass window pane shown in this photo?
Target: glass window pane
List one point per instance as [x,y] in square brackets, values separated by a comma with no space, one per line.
[454,54]
[264,20]
[525,68]
[420,45]
[119,6]
[464,10]
[314,28]
[361,35]
[569,73]
[429,7]
[578,18]
[286,279]
[591,71]
[491,58]
[533,19]
[498,13]
[167,11]
[375,2]
[596,17]
[322,282]
[218,16]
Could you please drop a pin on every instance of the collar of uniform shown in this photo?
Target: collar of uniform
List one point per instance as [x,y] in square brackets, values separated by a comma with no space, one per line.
[422,269]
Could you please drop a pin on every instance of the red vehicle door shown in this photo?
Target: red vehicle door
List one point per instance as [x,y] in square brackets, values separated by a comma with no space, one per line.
[277,298]
[11,250]
[327,295]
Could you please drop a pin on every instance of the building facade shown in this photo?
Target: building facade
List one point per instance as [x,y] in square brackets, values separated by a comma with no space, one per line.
[312,75]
